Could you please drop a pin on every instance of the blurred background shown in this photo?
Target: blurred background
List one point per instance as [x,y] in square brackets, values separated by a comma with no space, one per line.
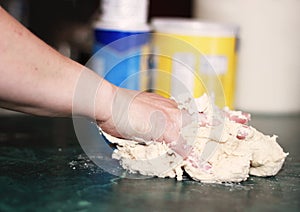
[67,24]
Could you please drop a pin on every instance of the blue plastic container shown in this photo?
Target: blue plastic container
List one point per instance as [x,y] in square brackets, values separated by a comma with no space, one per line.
[121,56]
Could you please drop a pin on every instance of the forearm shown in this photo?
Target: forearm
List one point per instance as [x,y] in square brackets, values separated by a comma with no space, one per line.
[38,80]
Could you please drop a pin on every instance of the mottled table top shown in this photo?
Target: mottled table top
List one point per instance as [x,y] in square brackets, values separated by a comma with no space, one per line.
[43,168]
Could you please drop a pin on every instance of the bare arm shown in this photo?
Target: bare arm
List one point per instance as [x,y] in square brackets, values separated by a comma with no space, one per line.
[35,78]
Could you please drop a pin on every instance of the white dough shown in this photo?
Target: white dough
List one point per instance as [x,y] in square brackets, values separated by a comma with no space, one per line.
[221,151]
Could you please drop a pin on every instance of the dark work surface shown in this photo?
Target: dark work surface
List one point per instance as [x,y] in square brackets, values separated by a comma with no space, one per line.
[43,168]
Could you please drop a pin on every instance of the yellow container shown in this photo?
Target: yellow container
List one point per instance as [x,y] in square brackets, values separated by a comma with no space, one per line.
[195,57]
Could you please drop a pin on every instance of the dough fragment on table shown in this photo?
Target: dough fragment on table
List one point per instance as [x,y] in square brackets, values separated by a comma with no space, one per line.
[225,149]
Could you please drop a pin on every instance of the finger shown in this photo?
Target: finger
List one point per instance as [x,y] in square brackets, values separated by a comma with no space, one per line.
[238,116]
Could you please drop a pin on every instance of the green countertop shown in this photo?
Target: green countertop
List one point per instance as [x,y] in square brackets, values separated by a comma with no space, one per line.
[43,168]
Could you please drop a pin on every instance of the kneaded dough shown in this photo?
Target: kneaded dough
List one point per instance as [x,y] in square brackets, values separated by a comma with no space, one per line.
[222,148]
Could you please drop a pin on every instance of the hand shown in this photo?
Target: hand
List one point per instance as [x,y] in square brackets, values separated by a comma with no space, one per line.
[143,116]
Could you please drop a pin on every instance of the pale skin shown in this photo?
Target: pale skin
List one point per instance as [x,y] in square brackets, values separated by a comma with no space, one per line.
[36,79]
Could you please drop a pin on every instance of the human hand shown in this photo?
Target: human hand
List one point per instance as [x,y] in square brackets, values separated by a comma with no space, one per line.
[143,116]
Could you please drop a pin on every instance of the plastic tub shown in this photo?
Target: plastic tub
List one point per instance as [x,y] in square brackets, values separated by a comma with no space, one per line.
[195,56]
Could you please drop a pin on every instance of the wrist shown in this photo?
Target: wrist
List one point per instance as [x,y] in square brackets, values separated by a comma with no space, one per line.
[104,100]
